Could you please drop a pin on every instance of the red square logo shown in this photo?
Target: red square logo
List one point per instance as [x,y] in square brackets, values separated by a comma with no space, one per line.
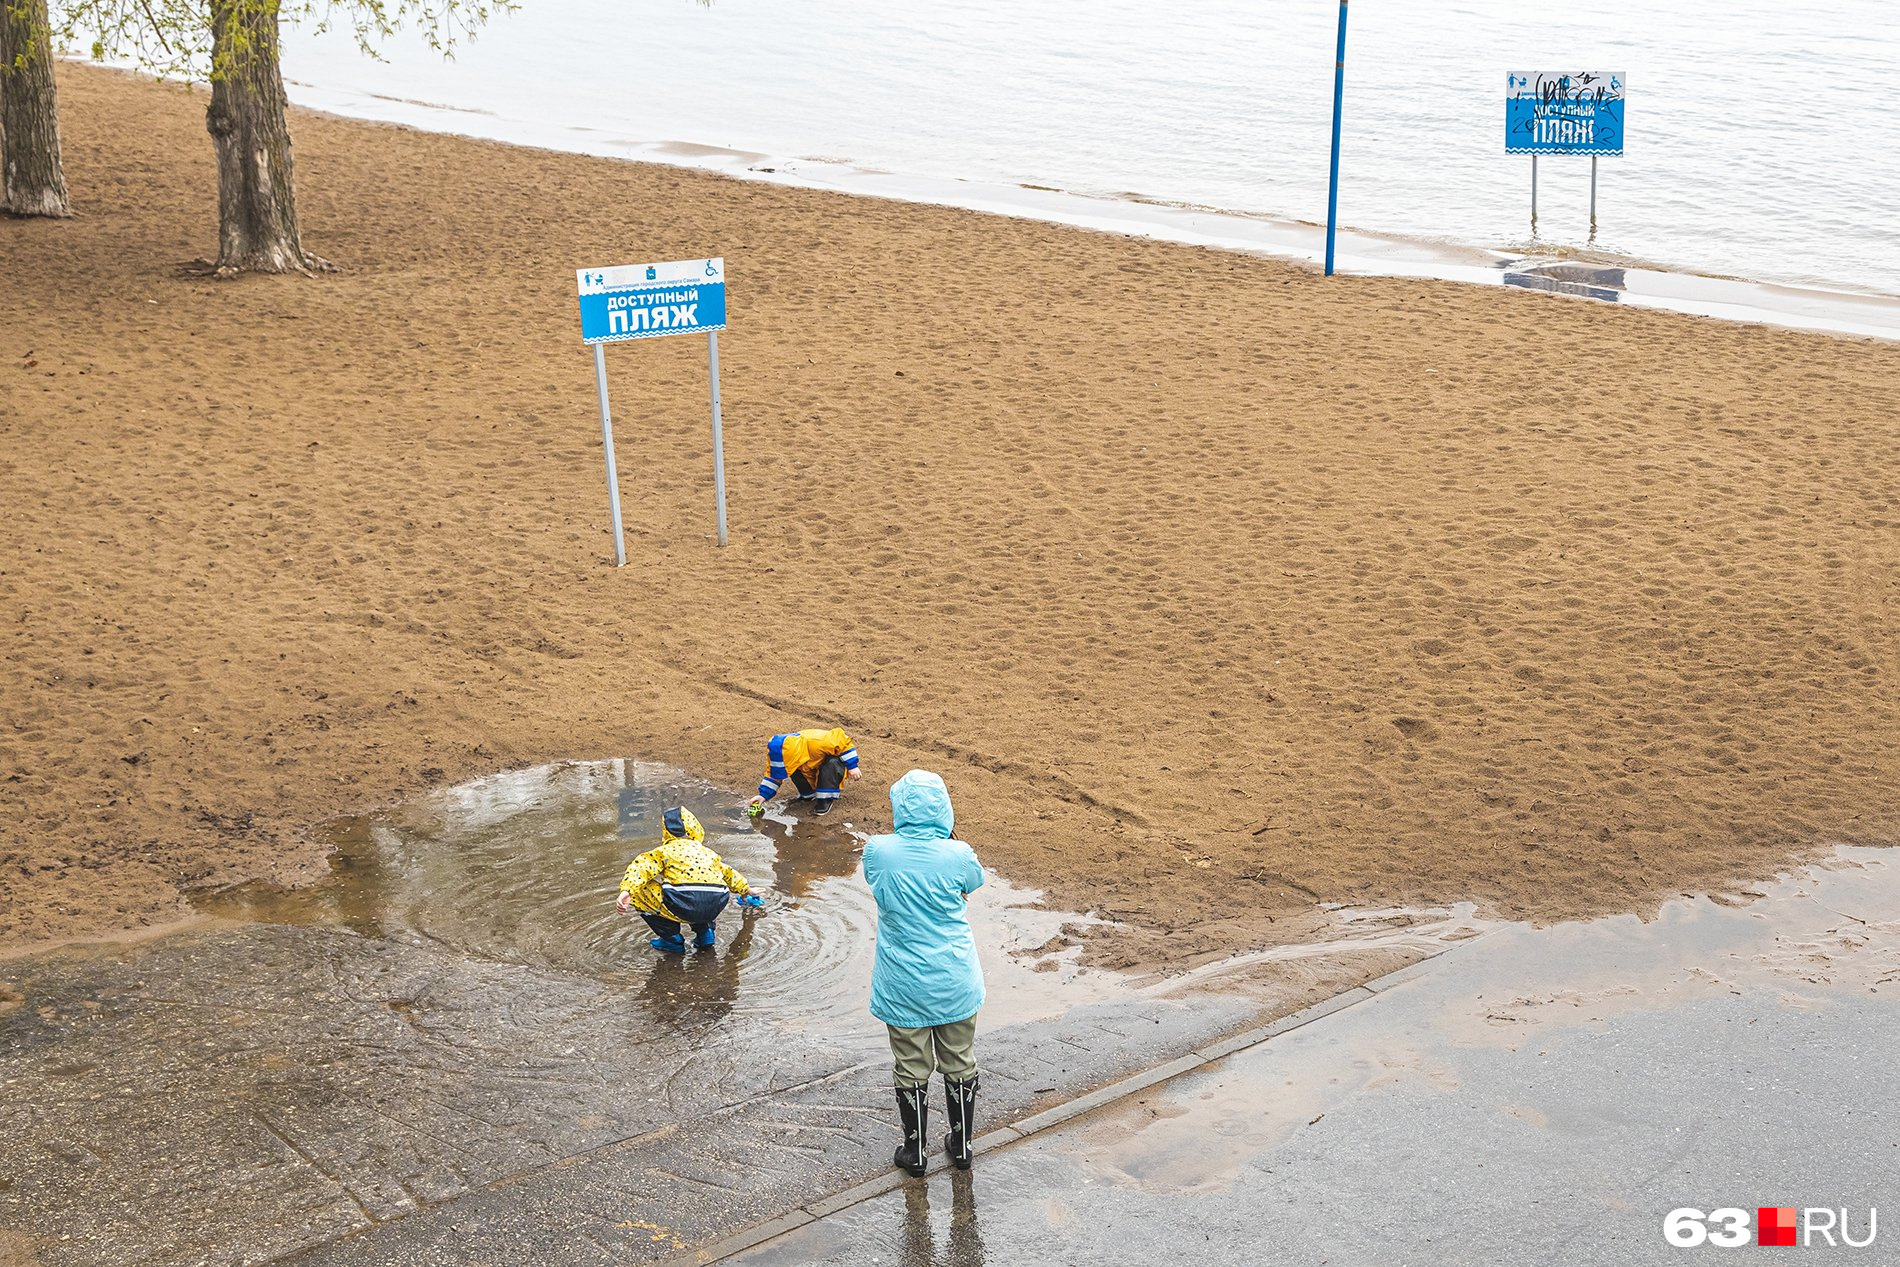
[1774,1225]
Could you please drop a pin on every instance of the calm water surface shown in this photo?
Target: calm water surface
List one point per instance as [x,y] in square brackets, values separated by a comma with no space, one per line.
[1761,141]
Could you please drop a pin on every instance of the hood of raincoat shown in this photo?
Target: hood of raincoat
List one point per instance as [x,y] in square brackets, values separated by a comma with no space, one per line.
[678,823]
[920,807]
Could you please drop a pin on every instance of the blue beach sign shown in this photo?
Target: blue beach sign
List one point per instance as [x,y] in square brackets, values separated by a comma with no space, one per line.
[647,301]
[1564,112]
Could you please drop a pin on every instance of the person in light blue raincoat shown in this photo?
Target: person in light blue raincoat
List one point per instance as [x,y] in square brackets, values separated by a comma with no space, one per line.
[926,983]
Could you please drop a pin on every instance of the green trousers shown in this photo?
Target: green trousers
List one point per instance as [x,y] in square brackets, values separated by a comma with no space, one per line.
[918,1052]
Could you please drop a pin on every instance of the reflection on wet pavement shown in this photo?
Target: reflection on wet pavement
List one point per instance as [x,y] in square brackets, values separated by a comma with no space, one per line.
[954,1239]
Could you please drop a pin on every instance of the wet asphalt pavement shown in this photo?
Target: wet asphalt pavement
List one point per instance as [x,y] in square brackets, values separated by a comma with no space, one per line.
[456,1052]
[1533,1096]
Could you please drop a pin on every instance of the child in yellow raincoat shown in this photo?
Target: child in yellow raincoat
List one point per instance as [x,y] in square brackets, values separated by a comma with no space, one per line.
[681,882]
[817,762]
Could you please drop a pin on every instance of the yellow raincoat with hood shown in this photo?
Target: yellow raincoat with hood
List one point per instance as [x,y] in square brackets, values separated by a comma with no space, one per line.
[683,864]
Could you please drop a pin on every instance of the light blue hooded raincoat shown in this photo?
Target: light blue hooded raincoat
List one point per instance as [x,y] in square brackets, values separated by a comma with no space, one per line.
[926,971]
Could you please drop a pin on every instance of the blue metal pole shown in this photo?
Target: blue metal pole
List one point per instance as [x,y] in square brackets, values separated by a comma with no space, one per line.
[1339,103]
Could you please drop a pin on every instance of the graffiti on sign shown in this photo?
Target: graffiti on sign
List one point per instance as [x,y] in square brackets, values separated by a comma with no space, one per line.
[1564,112]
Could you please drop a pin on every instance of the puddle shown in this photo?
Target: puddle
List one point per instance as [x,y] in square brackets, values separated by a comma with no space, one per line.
[457,1030]
[1415,933]
[1588,281]
[523,868]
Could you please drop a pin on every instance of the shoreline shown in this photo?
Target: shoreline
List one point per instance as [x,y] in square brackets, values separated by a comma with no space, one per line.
[1830,309]
[1822,307]
[1215,589]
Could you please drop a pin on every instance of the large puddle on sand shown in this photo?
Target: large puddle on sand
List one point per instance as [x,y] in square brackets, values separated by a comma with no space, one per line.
[523,867]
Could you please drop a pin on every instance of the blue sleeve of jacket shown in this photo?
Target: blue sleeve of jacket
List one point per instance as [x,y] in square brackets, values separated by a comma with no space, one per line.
[972,872]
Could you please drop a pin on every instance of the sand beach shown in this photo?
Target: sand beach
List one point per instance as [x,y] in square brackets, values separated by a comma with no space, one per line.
[1216,589]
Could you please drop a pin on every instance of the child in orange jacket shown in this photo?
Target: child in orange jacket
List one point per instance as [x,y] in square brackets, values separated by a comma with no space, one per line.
[817,762]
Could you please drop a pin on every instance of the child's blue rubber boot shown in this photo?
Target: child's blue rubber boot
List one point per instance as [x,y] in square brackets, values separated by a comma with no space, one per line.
[674,945]
[704,938]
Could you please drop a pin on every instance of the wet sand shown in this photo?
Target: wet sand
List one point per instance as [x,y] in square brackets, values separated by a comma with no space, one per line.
[1216,589]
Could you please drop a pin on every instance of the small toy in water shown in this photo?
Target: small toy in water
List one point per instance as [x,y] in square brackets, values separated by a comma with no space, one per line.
[751,900]
[754,811]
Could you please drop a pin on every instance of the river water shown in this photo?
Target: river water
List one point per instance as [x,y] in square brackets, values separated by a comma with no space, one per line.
[1760,141]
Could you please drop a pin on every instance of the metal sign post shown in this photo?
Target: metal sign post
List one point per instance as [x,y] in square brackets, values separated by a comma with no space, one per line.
[1533,195]
[649,301]
[1593,197]
[1569,112]
[607,444]
[719,439]
[1339,103]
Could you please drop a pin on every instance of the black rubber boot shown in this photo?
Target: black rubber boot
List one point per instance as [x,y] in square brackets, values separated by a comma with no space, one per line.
[959,1101]
[913,1111]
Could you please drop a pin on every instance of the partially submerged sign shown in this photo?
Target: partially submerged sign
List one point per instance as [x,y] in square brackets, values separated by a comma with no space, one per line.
[1564,112]
[645,301]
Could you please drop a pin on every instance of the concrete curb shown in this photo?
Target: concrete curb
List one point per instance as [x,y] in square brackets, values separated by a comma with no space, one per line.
[1049,1119]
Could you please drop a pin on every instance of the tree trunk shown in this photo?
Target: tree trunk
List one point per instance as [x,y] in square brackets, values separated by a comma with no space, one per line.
[257,207]
[34,183]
